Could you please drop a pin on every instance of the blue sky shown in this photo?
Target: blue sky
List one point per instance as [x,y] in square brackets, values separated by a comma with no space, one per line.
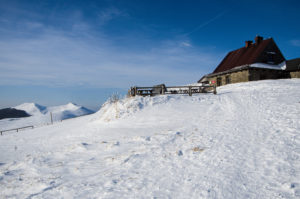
[53,52]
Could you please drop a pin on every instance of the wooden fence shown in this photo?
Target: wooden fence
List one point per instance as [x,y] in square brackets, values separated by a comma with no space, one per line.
[162,90]
[16,129]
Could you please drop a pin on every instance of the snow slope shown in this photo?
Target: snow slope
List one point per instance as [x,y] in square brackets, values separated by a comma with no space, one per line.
[40,115]
[243,142]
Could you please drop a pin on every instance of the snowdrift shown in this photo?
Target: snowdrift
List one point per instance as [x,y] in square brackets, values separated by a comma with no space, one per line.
[241,143]
[123,108]
[128,106]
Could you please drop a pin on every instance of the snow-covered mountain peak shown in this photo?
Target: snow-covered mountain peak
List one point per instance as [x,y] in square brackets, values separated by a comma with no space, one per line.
[73,105]
[32,108]
[60,112]
[65,107]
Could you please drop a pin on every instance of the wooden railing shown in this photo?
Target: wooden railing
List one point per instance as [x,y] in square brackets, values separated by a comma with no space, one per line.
[162,90]
[16,129]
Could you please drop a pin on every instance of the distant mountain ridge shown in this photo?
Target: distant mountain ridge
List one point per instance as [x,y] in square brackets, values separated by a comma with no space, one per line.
[61,112]
[12,113]
[36,114]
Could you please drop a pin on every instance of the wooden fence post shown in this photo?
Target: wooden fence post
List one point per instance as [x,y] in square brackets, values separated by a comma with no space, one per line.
[135,91]
[131,92]
[51,118]
[215,89]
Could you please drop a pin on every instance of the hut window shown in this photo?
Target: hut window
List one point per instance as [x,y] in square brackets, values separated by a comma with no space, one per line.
[271,56]
[227,79]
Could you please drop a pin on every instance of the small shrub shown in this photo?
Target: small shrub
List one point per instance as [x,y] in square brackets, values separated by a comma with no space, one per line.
[198,149]
[115,97]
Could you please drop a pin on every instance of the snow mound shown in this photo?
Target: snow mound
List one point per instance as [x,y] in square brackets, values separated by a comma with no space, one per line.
[126,107]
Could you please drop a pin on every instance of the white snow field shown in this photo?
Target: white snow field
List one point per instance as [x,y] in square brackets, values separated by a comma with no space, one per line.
[243,142]
[40,115]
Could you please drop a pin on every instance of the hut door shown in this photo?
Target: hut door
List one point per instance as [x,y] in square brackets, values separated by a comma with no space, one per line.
[219,81]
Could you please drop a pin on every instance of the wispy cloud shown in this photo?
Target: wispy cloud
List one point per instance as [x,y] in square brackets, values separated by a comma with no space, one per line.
[295,42]
[186,44]
[110,13]
[206,23]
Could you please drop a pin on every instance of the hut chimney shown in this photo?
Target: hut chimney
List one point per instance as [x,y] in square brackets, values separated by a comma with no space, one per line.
[248,43]
[258,39]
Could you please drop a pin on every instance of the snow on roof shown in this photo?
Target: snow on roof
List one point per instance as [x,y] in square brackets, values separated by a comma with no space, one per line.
[281,66]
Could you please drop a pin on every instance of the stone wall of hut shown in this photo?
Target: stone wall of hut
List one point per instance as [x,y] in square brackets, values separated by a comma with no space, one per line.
[261,74]
[229,78]
[295,74]
[252,74]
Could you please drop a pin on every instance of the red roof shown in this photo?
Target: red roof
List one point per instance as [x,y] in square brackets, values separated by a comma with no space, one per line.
[243,56]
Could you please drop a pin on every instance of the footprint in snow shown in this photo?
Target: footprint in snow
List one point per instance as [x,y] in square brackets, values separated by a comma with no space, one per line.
[86,145]
[8,173]
[131,157]
[180,153]
[293,185]
[117,143]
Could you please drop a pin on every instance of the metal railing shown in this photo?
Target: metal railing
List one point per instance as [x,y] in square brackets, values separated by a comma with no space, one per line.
[17,129]
[162,90]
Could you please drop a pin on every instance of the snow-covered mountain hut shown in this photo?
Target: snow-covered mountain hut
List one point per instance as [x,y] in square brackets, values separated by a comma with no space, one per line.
[255,61]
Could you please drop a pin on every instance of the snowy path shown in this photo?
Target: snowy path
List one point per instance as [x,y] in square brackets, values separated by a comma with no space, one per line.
[242,143]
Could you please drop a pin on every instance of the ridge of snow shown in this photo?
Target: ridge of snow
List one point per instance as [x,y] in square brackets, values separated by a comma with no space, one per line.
[128,106]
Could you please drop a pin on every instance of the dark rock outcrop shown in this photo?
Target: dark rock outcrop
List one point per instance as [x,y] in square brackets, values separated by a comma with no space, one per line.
[12,113]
